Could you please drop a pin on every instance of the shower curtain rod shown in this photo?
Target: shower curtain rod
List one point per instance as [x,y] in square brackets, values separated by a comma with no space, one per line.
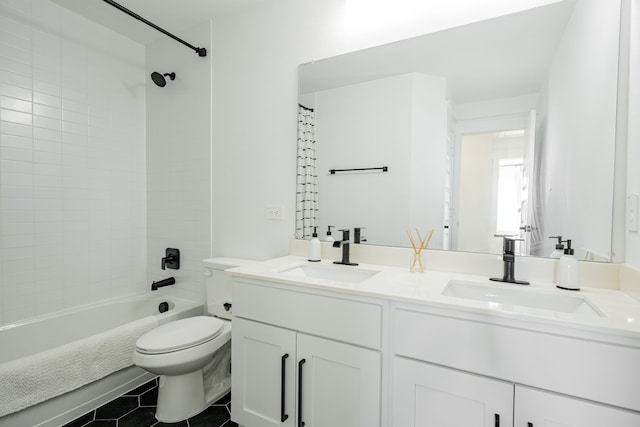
[199,50]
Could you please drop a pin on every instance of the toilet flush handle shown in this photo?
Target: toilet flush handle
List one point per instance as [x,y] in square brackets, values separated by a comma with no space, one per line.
[227,306]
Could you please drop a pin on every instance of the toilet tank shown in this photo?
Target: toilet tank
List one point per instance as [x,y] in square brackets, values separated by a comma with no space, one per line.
[218,285]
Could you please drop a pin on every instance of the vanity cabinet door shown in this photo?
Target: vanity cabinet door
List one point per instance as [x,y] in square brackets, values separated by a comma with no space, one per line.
[325,383]
[340,384]
[263,393]
[426,395]
[536,408]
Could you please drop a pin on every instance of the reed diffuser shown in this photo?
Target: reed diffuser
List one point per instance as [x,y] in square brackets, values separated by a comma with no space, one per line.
[417,261]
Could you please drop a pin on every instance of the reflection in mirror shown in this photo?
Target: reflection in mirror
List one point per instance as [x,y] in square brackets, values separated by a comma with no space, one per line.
[492,189]
[505,126]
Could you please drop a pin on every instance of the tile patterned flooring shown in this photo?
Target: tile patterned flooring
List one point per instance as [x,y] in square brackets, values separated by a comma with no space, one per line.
[137,408]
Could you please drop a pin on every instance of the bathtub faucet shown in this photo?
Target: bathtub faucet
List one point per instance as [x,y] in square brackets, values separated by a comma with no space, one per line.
[161,283]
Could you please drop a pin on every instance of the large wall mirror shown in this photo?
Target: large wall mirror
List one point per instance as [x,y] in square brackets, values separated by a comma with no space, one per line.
[501,127]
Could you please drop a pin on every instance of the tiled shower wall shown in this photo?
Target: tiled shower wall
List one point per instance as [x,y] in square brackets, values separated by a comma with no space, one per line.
[178,161]
[72,161]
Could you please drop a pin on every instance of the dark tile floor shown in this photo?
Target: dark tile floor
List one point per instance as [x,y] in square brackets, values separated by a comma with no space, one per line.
[137,408]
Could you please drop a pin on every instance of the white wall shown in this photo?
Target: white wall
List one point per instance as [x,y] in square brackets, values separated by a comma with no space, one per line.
[72,175]
[471,116]
[633,159]
[255,59]
[580,136]
[429,129]
[398,122]
[72,182]
[360,126]
[178,161]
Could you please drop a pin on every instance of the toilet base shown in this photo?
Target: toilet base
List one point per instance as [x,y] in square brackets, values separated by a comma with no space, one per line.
[189,400]
[180,397]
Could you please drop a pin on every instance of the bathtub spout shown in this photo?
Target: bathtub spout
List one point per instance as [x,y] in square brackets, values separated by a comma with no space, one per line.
[161,283]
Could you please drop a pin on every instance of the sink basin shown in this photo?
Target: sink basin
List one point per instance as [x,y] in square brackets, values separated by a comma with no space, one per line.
[334,273]
[509,295]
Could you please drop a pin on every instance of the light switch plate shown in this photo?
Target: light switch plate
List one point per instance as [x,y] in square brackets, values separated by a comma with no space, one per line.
[632,212]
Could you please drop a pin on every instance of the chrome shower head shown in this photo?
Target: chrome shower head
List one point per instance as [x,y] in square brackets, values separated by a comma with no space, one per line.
[159,78]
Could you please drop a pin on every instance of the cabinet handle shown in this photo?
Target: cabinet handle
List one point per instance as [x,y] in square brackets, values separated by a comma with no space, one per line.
[283,415]
[496,420]
[300,422]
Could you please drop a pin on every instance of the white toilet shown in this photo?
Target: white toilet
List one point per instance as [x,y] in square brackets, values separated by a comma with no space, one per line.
[193,355]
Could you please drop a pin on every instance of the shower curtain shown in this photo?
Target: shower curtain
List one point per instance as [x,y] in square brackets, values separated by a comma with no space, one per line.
[307,176]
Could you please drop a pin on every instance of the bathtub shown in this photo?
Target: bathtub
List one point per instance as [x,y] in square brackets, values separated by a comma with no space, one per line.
[67,330]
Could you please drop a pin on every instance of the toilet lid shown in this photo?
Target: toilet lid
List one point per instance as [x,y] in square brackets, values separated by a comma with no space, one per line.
[180,334]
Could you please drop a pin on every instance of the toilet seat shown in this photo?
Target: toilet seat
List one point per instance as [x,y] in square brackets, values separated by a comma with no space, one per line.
[179,335]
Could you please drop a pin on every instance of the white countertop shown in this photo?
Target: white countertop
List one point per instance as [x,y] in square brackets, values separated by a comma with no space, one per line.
[619,324]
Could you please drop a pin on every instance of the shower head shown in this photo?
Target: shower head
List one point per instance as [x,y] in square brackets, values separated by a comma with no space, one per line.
[159,78]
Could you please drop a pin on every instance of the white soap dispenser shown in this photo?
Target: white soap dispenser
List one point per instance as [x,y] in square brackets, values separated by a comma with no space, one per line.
[329,237]
[568,270]
[559,250]
[315,248]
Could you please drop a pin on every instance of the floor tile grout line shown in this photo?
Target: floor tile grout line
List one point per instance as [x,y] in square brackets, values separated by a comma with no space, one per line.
[94,418]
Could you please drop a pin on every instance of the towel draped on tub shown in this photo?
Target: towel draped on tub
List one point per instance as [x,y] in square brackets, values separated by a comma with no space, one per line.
[33,379]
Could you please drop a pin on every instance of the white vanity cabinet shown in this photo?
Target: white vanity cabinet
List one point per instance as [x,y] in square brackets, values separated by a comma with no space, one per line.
[453,368]
[392,351]
[303,357]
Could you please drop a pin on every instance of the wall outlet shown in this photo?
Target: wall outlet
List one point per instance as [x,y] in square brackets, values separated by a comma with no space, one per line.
[274,212]
[632,212]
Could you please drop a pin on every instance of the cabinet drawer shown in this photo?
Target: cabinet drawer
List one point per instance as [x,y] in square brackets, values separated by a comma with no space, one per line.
[332,317]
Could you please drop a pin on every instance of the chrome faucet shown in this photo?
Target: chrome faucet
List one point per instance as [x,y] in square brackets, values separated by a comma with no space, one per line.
[344,243]
[509,258]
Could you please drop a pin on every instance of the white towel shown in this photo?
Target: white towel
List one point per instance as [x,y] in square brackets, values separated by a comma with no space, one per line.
[30,380]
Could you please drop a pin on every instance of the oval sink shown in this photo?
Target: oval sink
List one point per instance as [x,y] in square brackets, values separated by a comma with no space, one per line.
[333,273]
[509,295]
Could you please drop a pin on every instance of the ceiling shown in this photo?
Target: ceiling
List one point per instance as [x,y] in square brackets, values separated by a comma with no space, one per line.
[172,15]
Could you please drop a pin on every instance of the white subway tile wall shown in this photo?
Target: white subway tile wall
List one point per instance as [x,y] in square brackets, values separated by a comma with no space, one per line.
[178,162]
[72,161]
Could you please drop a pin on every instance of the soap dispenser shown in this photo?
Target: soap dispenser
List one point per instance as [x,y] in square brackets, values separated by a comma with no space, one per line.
[314,246]
[559,250]
[568,270]
[329,237]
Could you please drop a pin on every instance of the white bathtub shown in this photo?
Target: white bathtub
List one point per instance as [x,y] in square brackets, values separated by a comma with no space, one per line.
[71,328]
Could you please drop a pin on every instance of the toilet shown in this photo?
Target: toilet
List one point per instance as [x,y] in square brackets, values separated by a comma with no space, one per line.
[193,355]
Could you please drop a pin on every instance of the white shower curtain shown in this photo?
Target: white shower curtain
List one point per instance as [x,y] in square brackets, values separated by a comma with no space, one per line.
[307,176]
